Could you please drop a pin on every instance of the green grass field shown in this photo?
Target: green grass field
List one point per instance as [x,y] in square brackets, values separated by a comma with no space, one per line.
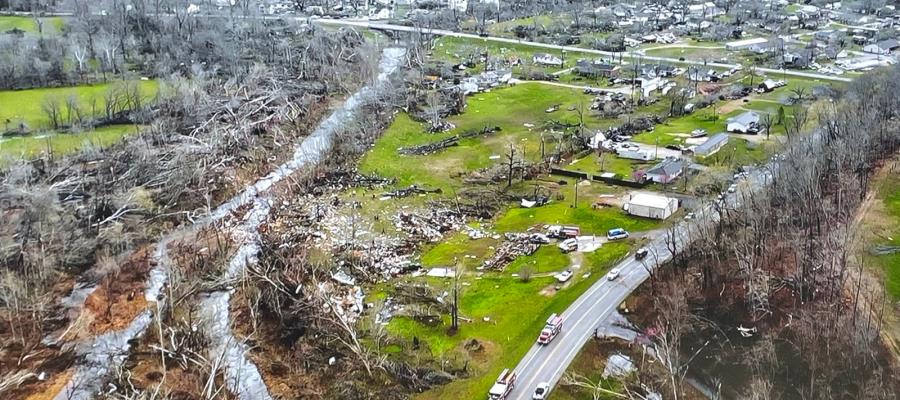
[27,105]
[28,147]
[889,194]
[623,168]
[738,152]
[509,108]
[592,221]
[516,312]
[448,48]
[29,25]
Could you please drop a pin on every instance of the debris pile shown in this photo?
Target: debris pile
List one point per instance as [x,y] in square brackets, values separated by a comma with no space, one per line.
[429,228]
[340,180]
[409,191]
[434,147]
[430,148]
[515,245]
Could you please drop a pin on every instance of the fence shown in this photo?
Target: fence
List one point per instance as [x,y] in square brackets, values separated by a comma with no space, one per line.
[611,181]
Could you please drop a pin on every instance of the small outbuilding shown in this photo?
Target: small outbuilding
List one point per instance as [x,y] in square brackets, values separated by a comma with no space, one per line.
[651,206]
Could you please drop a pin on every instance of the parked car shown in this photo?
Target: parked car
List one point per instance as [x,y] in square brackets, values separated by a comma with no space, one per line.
[617,233]
[613,274]
[541,391]
[641,253]
[563,276]
[732,188]
[568,245]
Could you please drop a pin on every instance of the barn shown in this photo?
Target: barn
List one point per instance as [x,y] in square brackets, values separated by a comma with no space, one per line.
[651,206]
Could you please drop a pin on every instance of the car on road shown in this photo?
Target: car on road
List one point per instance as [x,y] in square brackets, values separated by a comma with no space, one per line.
[613,274]
[641,253]
[541,391]
[617,233]
[563,276]
[732,188]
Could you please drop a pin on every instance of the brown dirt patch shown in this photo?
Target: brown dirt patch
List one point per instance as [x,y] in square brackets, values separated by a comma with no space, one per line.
[120,296]
[47,390]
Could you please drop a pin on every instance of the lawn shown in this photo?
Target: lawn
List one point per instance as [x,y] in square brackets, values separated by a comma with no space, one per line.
[451,48]
[515,310]
[675,130]
[509,108]
[889,235]
[738,152]
[26,106]
[29,25]
[592,221]
[59,144]
[622,167]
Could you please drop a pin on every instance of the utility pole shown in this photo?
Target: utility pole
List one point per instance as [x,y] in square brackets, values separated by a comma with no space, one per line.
[656,154]
[575,203]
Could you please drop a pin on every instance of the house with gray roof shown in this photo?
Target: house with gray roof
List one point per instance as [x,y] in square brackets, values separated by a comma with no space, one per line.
[711,145]
[666,171]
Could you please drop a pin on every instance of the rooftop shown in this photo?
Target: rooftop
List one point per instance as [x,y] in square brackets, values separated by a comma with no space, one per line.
[650,200]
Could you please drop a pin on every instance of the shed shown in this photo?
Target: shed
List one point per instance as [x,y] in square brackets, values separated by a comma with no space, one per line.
[651,206]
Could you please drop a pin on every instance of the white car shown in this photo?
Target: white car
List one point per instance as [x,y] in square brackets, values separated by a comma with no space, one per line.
[617,233]
[564,276]
[689,216]
[541,391]
[732,188]
[568,245]
[612,274]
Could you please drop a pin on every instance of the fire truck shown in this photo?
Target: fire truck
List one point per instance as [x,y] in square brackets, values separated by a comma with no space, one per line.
[551,329]
[503,386]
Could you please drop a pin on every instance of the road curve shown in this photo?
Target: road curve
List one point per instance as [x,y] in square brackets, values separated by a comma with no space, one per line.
[548,363]
[626,54]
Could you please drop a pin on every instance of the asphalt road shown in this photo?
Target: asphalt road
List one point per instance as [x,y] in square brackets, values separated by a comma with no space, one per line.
[627,54]
[442,32]
[548,363]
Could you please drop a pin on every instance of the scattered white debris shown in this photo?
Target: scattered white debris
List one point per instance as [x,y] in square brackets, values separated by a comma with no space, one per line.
[747,332]
[618,365]
[440,272]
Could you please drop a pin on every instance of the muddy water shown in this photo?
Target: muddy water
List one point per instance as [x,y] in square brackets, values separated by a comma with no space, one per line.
[107,352]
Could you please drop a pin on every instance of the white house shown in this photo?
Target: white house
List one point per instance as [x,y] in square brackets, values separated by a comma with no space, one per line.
[882,47]
[747,122]
[547,59]
[636,155]
[666,171]
[745,44]
[651,206]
